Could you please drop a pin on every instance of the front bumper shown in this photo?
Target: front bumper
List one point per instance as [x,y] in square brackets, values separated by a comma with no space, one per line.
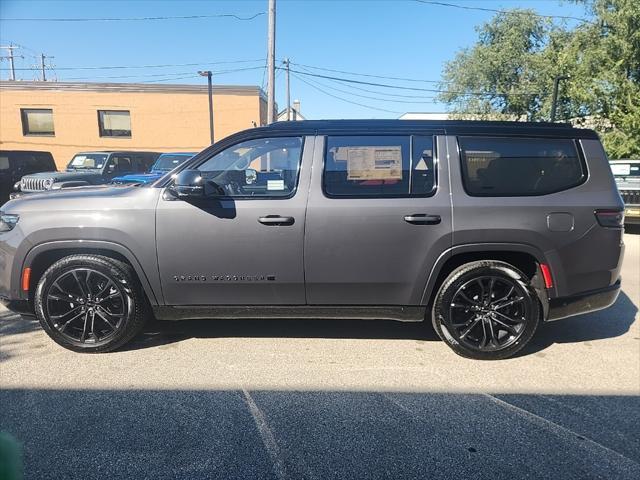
[585,302]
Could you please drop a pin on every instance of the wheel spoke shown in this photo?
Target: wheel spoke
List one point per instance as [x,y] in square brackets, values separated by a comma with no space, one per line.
[508,303]
[61,329]
[109,297]
[61,290]
[514,320]
[58,317]
[75,276]
[492,282]
[509,328]
[492,333]
[470,327]
[104,318]
[105,288]
[87,283]
[483,342]
[85,327]
[499,300]
[465,297]
[483,292]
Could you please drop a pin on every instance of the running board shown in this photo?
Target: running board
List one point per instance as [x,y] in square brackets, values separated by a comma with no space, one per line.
[346,312]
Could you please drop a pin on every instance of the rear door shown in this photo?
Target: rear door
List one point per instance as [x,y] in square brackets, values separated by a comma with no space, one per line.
[378,217]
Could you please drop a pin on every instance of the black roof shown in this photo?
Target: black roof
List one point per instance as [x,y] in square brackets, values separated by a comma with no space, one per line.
[449,127]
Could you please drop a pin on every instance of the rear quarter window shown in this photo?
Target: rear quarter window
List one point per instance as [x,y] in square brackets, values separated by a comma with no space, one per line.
[493,166]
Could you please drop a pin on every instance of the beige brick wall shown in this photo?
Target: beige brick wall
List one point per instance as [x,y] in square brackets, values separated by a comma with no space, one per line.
[160,120]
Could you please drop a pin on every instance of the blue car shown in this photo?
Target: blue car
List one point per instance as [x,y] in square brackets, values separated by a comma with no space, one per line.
[165,163]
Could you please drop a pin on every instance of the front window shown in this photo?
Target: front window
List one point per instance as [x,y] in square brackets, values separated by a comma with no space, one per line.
[37,121]
[87,161]
[166,163]
[265,167]
[114,123]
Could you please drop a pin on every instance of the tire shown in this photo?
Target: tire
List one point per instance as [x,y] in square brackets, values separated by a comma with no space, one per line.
[486,310]
[104,303]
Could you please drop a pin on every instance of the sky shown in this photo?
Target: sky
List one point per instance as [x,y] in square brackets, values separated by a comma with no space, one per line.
[392,38]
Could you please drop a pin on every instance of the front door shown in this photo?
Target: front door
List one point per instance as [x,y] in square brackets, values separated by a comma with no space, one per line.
[245,245]
[381,219]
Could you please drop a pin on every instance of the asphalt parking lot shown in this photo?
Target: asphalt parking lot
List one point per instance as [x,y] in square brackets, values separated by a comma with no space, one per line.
[327,399]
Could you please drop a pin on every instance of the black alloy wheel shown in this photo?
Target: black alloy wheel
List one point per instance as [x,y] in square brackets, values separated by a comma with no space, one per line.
[90,303]
[486,310]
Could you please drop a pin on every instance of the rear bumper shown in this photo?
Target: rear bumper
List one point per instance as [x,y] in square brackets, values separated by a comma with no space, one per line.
[585,302]
[22,307]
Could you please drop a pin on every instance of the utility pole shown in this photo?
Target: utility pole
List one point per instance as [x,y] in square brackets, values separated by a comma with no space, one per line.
[271,67]
[554,103]
[12,68]
[286,63]
[208,74]
[42,67]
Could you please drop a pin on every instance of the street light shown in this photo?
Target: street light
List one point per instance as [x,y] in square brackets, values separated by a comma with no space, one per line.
[556,82]
[208,74]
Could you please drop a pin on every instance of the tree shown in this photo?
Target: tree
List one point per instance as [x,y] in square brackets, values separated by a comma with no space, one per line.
[511,69]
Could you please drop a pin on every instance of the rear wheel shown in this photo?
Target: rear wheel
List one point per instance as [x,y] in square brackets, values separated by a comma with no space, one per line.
[90,303]
[486,310]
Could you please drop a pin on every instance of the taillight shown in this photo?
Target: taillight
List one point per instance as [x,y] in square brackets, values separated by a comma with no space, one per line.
[546,275]
[610,218]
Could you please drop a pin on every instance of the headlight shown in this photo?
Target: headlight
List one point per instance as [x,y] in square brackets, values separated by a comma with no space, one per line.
[48,183]
[8,221]
[17,186]
[56,186]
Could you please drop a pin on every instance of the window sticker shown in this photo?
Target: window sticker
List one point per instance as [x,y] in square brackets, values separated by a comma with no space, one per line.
[372,163]
[78,160]
[621,168]
[275,184]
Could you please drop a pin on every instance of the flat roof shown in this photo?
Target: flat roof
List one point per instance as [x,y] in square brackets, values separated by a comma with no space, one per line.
[131,87]
[453,127]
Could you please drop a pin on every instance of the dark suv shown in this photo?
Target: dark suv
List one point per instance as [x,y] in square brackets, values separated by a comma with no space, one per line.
[485,229]
[89,168]
[14,164]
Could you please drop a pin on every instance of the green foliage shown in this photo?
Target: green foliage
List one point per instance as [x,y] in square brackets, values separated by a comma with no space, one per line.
[509,72]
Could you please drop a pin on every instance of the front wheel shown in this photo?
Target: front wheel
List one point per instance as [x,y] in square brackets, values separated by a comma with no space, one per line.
[486,310]
[90,303]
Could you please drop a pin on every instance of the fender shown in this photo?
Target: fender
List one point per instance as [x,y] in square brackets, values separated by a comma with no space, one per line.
[483,247]
[91,245]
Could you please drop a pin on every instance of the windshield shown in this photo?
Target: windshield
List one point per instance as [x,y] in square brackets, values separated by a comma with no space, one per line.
[168,162]
[86,161]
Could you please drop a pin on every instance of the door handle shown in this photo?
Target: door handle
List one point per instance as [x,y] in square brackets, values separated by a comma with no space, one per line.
[422,219]
[276,220]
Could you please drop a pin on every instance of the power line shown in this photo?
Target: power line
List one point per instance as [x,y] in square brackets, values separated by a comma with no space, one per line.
[507,12]
[117,67]
[135,19]
[344,99]
[165,74]
[365,74]
[359,82]
[377,92]
[390,100]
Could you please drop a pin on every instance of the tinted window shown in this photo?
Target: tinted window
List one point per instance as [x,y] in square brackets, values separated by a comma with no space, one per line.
[519,166]
[37,121]
[374,166]
[266,167]
[114,123]
[4,162]
[168,162]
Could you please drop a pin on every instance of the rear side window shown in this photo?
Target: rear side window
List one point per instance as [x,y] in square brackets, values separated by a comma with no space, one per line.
[379,166]
[519,166]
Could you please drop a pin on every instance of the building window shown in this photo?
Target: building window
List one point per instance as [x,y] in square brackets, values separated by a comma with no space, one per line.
[114,123]
[37,121]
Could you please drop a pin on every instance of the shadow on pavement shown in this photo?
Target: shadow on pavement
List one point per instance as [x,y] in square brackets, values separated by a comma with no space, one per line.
[198,434]
[609,323]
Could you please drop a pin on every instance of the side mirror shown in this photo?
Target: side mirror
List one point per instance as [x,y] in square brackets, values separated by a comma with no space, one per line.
[189,183]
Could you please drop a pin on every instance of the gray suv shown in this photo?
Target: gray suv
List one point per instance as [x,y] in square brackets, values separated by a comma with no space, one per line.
[486,229]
